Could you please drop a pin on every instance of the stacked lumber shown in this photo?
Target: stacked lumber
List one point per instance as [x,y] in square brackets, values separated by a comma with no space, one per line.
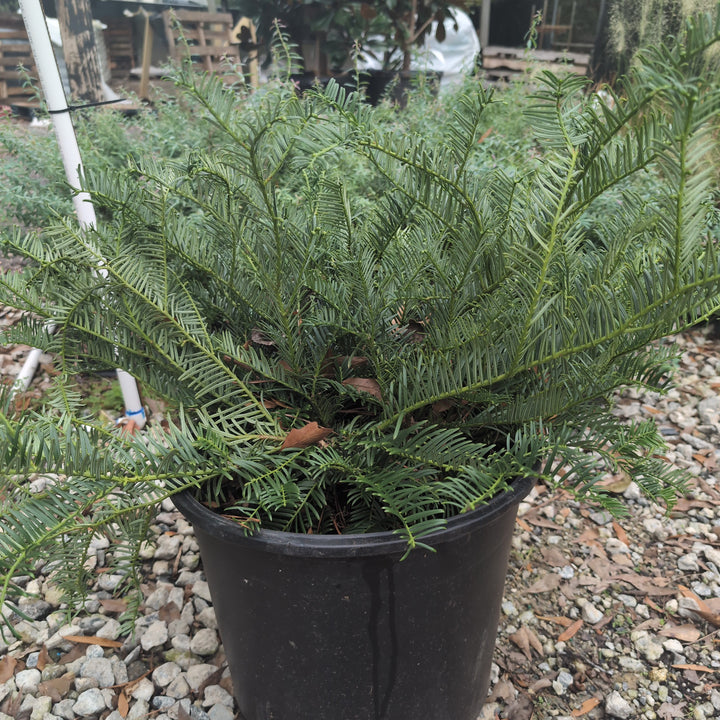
[506,63]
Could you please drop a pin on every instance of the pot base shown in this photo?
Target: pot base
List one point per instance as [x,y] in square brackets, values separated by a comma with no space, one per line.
[340,628]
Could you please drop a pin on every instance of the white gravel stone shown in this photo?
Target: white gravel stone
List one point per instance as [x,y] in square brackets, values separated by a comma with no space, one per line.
[159,596]
[688,563]
[64,709]
[99,669]
[647,646]
[205,642]
[89,702]
[154,636]
[167,547]
[617,706]
[631,664]
[110,630]
[138,711]
[591,614]
[144,690]
[178,688]
[221,712]
[164,674]
[27,681]
[41,708]
[215,694]
[198,674]
[109,581]
[201,589]
[207,618]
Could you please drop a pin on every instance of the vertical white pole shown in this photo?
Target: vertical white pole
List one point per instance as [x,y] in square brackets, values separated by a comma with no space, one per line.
[51,83]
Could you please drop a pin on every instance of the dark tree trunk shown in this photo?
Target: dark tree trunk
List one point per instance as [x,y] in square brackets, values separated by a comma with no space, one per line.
[80,49]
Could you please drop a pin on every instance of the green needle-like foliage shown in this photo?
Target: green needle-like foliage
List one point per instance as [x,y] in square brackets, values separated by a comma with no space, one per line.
[343,366]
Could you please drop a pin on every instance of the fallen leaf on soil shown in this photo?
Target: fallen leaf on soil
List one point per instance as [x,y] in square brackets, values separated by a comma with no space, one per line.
[586,707]
[112,605]
[552,556]
[303,437]
[686,633]
[521,709]
[557,619]
[571,631]
[692,666]
[7,666]
[667,711]
[618,483]
[546,583]
[366,385]
[523,524]
[654,587]
[525,639]
[77,651]
[541,684]
[704,610]
[123,705]
[57,688]
[169,612]
[43,659]
[620,534]
[503,690]
[93,640]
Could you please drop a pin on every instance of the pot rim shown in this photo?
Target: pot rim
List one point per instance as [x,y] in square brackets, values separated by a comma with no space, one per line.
[338,546]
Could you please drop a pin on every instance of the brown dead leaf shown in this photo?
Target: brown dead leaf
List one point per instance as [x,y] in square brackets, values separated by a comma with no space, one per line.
[366,385]
[620,534]
[113,606]
[668,711]
[169,612]
[521,709]
[526,639]
[692,666]
[503,690]
[586,707]
[685,633]
[77,651]
[523,525]
[57,688]
[43,658]
[123,705]
[553,556]
[704,610]
[539,685]
[303,437]
[93,640]
[557,619]
[7,667]
[183,714]
[656,586]
[617,483]
[548,582]
[571,631]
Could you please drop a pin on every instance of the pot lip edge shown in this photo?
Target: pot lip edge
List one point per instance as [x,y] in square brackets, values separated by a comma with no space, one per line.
[384,542]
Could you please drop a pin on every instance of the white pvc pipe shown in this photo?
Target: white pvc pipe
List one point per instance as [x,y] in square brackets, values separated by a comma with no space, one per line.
[52,86]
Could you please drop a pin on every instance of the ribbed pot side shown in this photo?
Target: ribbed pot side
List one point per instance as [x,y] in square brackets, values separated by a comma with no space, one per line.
[319,627]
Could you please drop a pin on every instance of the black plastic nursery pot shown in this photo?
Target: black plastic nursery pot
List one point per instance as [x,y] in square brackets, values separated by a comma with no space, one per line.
[320,627]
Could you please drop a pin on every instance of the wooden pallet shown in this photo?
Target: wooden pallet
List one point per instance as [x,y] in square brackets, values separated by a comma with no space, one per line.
[120,46]
[506,63]
[15,52]
[203,36]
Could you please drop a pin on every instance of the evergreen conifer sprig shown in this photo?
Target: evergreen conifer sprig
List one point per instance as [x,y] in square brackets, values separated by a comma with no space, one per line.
[342,366]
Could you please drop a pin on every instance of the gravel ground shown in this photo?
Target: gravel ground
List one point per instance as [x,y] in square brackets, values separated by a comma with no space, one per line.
[602,618]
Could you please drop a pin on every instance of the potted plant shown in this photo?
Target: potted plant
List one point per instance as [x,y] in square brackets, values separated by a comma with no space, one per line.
[364,391]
